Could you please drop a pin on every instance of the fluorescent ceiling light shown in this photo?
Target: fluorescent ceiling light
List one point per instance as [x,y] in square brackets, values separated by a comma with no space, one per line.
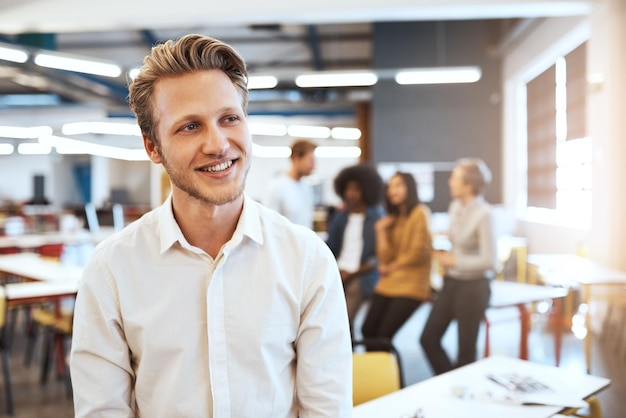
[106,128]
[345,133]
[13,54]
[337,79]
[19,132]
[303,131]
[81,65]
[33,148]
[270,151]
[262,82]
[73,146]
[439,75]
[6,149]
[267,129]
[338,152]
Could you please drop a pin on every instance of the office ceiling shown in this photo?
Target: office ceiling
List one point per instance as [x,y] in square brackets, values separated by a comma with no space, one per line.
[274,37]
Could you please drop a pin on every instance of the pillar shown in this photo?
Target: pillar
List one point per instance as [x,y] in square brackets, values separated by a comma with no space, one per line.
[606,66]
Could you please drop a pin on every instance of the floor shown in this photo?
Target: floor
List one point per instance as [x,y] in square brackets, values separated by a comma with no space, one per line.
[33,400]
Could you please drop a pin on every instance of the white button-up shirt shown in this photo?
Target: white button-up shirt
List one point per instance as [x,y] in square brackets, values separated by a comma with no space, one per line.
[163,330]
[293,199]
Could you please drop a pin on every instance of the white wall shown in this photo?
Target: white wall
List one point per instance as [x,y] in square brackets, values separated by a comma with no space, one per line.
[263,170]
[16,181]
[133,176]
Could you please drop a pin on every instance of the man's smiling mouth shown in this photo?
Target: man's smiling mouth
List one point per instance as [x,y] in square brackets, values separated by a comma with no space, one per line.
[219,167]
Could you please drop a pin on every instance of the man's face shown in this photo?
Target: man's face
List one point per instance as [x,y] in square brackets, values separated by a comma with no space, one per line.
[306,163]
[353,196]
[458,187]
[203,137]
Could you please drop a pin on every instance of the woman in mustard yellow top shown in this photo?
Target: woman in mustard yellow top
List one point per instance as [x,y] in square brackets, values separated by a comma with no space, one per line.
[403,247]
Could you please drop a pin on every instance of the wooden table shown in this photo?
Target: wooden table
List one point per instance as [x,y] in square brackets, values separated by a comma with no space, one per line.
[44,280]
[512,294]
[467,392]
[569,270]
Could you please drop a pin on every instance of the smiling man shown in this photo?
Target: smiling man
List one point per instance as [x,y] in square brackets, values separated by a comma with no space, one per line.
[210,305]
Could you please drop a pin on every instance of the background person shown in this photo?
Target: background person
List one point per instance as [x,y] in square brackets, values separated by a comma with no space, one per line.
[403,247]
[468,267]
[289,194]
[210,305]
[351,234]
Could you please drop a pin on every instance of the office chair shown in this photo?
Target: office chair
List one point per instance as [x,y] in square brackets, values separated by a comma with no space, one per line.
[56,328]
[51,251]
[92,218]
[376,371]
[9,250]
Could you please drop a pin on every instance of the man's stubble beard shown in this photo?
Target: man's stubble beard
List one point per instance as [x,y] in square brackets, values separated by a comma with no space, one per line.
[185,184]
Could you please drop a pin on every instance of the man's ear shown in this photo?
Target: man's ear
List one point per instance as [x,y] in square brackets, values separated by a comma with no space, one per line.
[151,149]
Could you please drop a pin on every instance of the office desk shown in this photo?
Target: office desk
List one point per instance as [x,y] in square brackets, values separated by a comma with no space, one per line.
[569,270]
[27,242]
[438,397]
[512,294]
[32,267]
[45,280]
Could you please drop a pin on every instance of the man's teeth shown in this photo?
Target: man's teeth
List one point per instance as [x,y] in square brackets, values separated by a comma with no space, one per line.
[219,167]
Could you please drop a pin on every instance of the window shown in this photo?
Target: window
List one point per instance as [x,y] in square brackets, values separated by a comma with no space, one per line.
[559,151]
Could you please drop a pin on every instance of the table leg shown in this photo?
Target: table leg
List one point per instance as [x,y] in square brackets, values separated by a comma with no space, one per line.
[524,318]
[487,342]
[586,299]
[557,326]
[59,349]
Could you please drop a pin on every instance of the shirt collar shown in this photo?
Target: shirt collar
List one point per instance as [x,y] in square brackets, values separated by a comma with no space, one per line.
[249,225]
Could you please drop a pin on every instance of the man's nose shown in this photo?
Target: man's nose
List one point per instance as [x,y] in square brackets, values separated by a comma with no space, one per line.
[215,142]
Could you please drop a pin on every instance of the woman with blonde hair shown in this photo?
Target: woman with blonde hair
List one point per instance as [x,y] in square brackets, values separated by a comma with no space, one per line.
[468,267]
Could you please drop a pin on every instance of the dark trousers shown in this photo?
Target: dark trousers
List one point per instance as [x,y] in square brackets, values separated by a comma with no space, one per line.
[465,301]
[386,316]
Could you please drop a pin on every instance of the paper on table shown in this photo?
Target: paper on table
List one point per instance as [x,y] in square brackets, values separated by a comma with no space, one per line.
[518,389]
[547,399]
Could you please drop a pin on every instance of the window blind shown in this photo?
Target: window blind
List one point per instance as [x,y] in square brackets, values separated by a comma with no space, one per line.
[541,140]
[576,87]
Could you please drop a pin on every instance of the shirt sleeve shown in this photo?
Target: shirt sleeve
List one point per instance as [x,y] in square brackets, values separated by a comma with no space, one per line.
[100,360]
[485,259]
[323,347]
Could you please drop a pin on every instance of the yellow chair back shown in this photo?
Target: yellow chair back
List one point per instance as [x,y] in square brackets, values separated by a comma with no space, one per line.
[374,374]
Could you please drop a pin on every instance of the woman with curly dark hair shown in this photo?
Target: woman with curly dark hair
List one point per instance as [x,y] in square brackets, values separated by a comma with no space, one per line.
[403,247]
[351,235]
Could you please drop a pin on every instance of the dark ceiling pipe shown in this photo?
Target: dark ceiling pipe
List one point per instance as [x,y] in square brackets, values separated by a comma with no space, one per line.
[314,46]
[149,38]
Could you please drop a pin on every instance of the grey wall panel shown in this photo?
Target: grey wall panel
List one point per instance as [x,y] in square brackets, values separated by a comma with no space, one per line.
[438,123]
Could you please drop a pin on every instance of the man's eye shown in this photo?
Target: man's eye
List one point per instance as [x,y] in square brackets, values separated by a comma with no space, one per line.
[231,118]
[190,127]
